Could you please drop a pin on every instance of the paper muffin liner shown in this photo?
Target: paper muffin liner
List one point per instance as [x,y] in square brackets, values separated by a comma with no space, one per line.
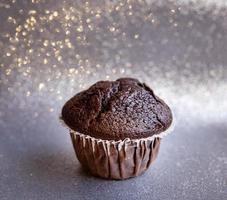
[120,159]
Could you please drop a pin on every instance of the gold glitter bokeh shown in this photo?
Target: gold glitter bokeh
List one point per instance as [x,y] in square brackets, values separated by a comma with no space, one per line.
[52,49]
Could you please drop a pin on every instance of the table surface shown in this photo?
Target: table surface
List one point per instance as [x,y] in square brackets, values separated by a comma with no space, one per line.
[179,50]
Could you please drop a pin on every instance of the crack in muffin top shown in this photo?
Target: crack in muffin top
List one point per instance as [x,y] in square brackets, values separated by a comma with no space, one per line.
[115,110]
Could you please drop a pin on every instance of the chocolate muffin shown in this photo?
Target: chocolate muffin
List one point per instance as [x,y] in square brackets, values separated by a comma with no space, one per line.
[116,127]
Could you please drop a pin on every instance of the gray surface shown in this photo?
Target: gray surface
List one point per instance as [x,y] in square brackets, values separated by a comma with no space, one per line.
[186,64]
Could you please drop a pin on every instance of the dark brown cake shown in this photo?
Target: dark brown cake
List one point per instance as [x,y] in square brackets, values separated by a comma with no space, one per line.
[114,110]
[116,126]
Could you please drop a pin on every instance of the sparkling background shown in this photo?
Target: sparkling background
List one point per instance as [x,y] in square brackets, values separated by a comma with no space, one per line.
[52,49]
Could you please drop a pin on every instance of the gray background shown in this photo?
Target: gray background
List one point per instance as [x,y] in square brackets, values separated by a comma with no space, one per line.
[51,50]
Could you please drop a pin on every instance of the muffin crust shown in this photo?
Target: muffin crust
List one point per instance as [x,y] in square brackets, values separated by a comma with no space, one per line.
[115,110]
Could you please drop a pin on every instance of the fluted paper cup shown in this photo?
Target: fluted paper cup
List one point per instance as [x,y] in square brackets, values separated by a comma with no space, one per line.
[120,159]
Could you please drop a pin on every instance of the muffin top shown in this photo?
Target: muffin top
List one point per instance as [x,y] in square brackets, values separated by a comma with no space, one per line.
[115,110]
